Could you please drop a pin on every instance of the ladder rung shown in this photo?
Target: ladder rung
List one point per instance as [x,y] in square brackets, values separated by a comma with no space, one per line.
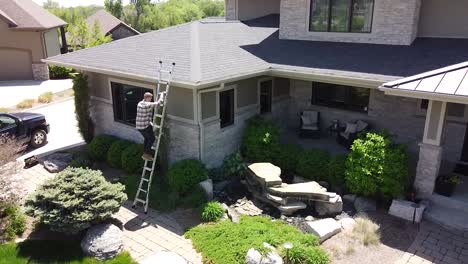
[148,169]
[141,190]
[144,179]
[158,115]
[140,200]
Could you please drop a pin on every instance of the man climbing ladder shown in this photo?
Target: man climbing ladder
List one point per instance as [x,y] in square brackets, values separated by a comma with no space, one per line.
[152,132]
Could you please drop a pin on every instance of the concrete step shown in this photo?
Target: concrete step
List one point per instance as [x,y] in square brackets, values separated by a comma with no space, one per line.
[447,217]
[276,199]
[447,202]
[291,207]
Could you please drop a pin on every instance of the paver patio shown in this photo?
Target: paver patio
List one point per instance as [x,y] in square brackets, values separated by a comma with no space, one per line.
[435,244]
[144,234]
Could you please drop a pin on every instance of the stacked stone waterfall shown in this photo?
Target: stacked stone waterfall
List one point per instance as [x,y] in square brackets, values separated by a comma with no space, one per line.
[264,182]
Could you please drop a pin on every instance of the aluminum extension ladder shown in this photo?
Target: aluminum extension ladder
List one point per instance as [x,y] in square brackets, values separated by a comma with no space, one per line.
[161,91]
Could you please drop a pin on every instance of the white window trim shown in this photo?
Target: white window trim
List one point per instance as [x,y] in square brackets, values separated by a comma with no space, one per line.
[422,112]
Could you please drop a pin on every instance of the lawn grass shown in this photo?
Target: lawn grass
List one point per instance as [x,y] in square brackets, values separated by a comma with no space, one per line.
[4,110]
[227,242]
[37,251]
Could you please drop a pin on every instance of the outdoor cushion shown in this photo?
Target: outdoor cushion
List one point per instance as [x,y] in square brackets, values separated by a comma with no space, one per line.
[310,127]
[306,121]
[350,128]
[345,135]
[361,125]
[311,115]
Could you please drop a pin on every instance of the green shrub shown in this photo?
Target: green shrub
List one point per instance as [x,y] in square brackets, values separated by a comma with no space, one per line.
[233,166]
[307,255]
[185,174]
[26,103]
[227,242]
[376,166]
[212,212]
[114,155]
[75,199]
[81,160]
[313,164]
[45,98]
[100,145]
[287,158]
[336,170]
[131,158]
[58,72]
[82,106]
[15,223]
[194,199]
[260,141]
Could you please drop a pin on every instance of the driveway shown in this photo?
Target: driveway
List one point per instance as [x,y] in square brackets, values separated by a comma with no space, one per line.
[63,127]
[13,92]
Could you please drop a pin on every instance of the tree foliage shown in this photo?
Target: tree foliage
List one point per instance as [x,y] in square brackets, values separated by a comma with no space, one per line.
[114,7]
[82,36]
[82,105]
[75,199]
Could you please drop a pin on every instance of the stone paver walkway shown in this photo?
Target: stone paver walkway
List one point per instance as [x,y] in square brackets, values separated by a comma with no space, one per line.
[435,244]
[144,234]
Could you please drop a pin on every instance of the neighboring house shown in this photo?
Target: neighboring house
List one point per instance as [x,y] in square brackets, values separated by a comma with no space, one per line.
[110,25]
[28,34]
[347,61]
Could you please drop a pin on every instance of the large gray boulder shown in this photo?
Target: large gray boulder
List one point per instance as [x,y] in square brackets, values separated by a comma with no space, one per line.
[57,162]
[323,228]
[103,241]
[362,204]
[254,257]
[164,257]
[407,210]
[334,207]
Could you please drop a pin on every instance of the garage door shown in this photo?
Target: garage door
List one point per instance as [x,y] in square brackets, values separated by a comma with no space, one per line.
[15,65]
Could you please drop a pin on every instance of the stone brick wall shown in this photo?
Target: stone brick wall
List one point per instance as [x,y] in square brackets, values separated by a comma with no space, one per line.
[395,22]
[399,115]
[231,9]
[122,32]
[40,71]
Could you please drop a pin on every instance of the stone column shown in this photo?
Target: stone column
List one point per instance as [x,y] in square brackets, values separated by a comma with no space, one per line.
[430,157]
[231,9]
[40,72]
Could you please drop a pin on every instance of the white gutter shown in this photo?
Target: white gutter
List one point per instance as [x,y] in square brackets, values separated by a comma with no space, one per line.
[461,99]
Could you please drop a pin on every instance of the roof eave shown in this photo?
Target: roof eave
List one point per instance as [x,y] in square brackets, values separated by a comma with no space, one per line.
[425,95]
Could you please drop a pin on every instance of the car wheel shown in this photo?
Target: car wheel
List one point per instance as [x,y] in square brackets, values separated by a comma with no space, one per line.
[38,138]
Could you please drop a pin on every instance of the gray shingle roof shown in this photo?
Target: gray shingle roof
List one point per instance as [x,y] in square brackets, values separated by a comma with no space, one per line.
[215,49]
[25,14]
[107,22]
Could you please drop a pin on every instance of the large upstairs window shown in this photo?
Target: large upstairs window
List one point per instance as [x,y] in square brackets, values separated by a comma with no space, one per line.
[341,15]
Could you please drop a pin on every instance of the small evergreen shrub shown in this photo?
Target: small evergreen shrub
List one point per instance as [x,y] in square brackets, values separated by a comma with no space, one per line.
[100,145]
[75,199]
[287,158]
[26,103]
[307,255]
[131,158]
[260,141]
[82,106]
[114,155]
[185,174]
[15,223]
[58,72]
[336,170]
[313,164]
[45,98]
[212,212]
[376,166]
[194,199]
[233,166]
[81,160]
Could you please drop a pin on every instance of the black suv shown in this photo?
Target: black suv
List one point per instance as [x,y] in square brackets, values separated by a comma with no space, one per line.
[30,127]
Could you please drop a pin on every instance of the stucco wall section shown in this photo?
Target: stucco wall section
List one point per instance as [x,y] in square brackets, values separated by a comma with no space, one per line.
[395,22]
[281,87]
[249,9]
[121,32]
[247,92]
[445,19]
[27,40]
[208,102]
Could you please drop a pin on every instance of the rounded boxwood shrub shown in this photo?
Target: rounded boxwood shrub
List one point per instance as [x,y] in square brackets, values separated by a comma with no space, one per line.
[260,142]
[194,199]
[131,158]
[377,167]
[100,145]
[313,164]
[336,170]
[75,199]
[185,174]
[287,158]
[81,160]
[212,212]
[114,155]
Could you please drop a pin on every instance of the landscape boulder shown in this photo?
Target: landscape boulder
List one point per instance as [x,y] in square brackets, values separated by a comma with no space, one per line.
[334,207]
[347,223]
[323,228]
[57,162]
[164,257]
[407,210]
[103,241]
[207,186]
[362,204]
[254,257]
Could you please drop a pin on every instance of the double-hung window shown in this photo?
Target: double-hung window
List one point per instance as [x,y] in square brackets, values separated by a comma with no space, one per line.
[341,15]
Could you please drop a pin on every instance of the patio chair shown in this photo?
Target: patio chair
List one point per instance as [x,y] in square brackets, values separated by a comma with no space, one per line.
[352,130]
[310,124]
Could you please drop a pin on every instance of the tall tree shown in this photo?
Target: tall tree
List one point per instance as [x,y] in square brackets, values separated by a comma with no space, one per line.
[81,36]
[50,4]
[114,7]
[139,7]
